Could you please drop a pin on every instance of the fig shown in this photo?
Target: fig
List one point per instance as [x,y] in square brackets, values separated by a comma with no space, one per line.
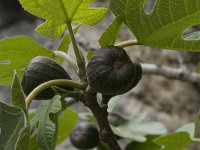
[111,72]
[85,136]
[42,69]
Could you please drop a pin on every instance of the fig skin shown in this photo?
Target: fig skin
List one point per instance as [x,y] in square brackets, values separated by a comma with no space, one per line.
[85,136]
[111,71]
[42,69]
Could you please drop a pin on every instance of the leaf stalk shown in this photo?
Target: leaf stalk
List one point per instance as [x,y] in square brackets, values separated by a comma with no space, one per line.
[48,84]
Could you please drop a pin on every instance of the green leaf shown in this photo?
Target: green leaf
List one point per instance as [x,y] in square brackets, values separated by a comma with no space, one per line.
[33,144]
[164,26]
[16,53]
[12,120]
[66,123]
[197,123]
[64,45]
[198,68]
[23,140]
[102,146]
[58,12]
[174,141]
[45,123]
[109,36]
[148,145]
[113,103]
[189,128]
[18,97]
[136,129]
[118,7]
[86,116]
[90,55]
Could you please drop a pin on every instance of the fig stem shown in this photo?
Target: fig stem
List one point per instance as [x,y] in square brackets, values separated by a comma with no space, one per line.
[68,59]
[101,114]
[56,82]
[80,60]
[196,140]
[128,43]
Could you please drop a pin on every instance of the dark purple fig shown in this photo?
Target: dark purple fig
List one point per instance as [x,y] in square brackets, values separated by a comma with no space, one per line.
[42,69]
[85,136]
[111,71]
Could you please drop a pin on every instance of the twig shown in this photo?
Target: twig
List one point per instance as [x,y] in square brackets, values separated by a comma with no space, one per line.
[101,114]
[173,73]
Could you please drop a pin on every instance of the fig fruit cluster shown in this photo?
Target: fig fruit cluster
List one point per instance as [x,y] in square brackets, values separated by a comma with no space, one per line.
[85,136]
[42,69]
[111,71]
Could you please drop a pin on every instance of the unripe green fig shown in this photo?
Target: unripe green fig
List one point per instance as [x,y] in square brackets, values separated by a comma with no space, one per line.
[111,72]
[42,69]
[85,136]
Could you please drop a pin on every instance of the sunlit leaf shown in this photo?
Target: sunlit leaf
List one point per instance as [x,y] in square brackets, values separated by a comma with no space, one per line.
[58,12]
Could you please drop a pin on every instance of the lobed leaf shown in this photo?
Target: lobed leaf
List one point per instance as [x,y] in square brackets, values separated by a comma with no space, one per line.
[16,53]
[45,123]
[12,120]
[58,12]
[164,26]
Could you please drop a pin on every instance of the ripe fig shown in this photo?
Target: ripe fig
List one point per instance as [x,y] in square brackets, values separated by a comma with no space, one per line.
[111,71]
[42,69]
[85,136]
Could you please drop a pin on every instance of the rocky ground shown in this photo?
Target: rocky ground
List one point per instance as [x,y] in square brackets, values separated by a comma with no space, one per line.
[171,102]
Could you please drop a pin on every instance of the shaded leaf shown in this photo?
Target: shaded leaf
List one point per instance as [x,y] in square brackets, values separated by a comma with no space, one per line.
[189,128]
[12,120]
[66,123]
[45,123]
[64,45]
[90,55]
[109,36]
[23,140]
[58,12]
[198,68]
[148,145]
[113,103]
[174,141]
[18,97]
[136,129]
[33,144]
[102,146]
[164,26]
[86,116]
[18,51]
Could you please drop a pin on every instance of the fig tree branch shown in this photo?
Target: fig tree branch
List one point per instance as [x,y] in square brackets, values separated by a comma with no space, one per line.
[172,73]
[101,116]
